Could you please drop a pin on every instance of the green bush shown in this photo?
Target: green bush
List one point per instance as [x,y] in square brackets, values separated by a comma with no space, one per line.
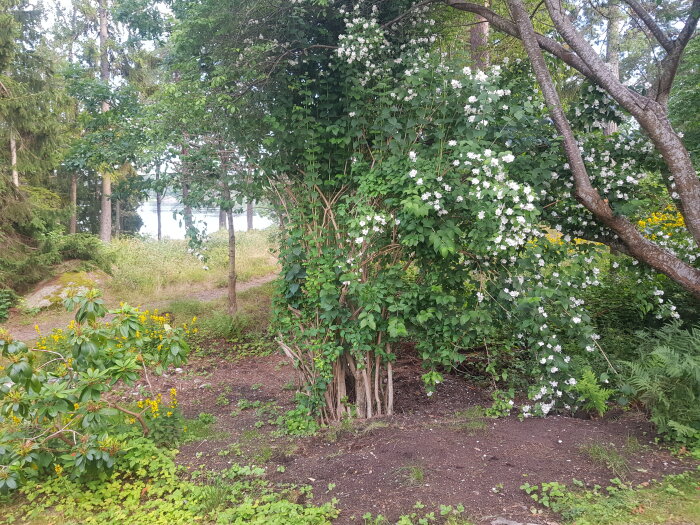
[665,378]
[85,247]
[53,411]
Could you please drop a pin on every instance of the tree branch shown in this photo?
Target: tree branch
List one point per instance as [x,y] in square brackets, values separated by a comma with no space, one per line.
[638,246]
[645,17]
[507,26]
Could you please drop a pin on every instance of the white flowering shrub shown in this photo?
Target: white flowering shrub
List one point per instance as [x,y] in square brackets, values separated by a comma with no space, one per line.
[427,201]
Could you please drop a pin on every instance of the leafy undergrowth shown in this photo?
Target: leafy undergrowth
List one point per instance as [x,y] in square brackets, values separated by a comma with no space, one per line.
[146,487]
[675,499]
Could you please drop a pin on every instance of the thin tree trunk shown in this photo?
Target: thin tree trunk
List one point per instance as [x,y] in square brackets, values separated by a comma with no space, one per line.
[232,277]
[478,41]
[159,201]
[185,185]
[13,159]
[188,209]
[73,228]
[612,53]
[106,201]
[249,214]
[118,217]
[106,208]
[222,219]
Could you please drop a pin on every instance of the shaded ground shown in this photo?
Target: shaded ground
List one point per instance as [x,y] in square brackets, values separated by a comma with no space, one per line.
[22,326]
[437,450]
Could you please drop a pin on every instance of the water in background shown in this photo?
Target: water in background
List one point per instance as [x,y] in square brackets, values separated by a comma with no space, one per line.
[174,227]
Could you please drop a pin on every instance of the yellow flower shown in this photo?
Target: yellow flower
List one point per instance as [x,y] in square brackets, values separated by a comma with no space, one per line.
[58,469]
[76,406]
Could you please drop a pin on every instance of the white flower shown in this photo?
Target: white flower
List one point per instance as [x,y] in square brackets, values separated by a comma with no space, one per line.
[359,240]
[351,114]
[412,155]
[471,99]
[452,143]
[419,182]
[508,158]
[576,320]
[554,370]
[487,152]
[413,173]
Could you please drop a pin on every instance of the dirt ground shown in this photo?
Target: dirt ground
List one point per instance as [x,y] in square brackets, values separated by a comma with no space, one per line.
[431,451]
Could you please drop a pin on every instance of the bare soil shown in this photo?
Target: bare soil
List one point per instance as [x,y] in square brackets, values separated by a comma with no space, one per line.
[429,451]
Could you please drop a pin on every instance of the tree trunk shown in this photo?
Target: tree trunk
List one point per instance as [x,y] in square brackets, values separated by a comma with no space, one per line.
[612,52]
[106,208]
[73,228]
[188,209]
[118,217]
[232,277]
[13,159]
[186,186]
[159,201]
[106,200]
[478,42]
[249,214]
[222,219]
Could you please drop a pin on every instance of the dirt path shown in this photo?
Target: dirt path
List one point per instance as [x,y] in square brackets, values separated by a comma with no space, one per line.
[22,327]
[431,451]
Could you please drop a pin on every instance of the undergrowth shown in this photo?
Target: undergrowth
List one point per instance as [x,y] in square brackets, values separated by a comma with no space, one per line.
[146,487]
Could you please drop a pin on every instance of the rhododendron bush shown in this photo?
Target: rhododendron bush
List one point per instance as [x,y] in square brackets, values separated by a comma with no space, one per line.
[426,201]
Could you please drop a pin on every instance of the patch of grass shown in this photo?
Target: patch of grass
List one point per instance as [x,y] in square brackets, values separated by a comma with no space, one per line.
[674,501]
[633,446]
[413,474]
[471,420]
[200,428]
[374,425]
[608,456]
[143,268]
[182,309]
[221,325]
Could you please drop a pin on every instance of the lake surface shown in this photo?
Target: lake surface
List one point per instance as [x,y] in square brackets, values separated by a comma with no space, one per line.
[172,223]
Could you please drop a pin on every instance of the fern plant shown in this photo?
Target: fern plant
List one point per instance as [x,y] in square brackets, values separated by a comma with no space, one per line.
[592,396]
[665,378]
[8,299]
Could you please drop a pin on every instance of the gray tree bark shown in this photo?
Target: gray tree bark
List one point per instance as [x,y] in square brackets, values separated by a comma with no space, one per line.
[106,199]
[232,276]
[73,227]
[13,159]
[612,51]
[478,41]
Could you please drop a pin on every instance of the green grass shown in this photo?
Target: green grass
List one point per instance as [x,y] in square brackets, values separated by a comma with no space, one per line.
[145,268]
[674,501]
[201,428]
[413,474]
[608,456]
[471,420]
